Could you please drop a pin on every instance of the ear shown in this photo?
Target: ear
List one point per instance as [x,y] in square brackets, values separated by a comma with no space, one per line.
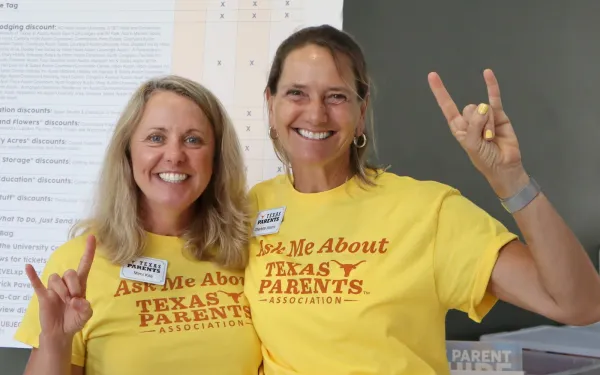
[364,105]
[269,98]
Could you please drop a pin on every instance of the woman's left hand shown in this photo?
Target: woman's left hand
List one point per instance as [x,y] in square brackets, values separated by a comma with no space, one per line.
[484,131]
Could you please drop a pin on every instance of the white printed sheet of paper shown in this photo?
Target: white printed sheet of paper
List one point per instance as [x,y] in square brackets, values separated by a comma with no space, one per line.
[67,68]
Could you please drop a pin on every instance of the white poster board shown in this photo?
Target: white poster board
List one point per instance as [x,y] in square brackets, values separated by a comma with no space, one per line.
[67,69]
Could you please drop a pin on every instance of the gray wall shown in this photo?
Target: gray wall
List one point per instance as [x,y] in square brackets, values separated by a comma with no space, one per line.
[545,54]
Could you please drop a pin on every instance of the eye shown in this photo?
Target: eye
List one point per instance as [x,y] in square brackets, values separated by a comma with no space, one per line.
[155,138]
[337,98]
[294,92]
[193,140]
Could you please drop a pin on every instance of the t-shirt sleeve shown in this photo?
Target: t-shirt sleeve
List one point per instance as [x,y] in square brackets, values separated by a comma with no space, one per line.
[29,329]
[467,243]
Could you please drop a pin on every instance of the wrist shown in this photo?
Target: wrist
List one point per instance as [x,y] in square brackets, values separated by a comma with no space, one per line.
[507,184]
[55,341]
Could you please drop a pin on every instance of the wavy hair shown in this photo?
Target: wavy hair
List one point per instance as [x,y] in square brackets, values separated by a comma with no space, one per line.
[219,228]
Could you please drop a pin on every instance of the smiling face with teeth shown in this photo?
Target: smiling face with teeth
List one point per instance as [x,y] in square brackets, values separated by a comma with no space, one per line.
[172,153]
[315,110]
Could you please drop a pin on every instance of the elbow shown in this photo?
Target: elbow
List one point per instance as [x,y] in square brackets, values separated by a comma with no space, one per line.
[583,321]
[581,317]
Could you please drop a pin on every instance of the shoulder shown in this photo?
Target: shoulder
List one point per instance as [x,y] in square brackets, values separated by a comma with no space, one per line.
[69,253]
[72,249]
[407,187]
[434,202]
[267,190]
[65,256]
[266,186]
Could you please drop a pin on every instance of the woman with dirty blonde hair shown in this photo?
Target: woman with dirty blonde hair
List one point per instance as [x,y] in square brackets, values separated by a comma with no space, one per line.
[360,265]
[152,282]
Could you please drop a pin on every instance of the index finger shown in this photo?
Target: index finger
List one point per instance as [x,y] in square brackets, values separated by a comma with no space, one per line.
[443,98]
[85,264]
[36,283]
[493,89]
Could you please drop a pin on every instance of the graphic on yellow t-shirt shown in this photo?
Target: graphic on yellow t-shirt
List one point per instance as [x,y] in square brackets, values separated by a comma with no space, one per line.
[359,281]
[199,321]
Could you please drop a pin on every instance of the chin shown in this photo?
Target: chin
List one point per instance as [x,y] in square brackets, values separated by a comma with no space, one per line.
[172,205]
[169,202]
[312,157]
[309,160]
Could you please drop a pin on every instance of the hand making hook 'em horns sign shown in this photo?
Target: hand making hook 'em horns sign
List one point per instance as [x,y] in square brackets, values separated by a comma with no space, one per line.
[486,134]
[64,309]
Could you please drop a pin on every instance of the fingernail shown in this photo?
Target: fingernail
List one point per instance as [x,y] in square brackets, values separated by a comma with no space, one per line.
[488,134]
[482,108]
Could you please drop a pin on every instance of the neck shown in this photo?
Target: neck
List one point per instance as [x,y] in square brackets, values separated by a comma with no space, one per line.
[165,222]
[313,179]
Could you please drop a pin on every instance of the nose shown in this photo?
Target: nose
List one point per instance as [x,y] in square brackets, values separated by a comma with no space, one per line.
[317,112]
[175,153]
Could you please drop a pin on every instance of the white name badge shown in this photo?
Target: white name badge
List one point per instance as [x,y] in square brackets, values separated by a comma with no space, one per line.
[144,269]
[268,221]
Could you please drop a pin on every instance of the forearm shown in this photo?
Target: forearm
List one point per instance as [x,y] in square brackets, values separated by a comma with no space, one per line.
[564,267]
[53,357]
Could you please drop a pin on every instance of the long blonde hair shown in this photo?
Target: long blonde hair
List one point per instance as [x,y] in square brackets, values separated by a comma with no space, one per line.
[219,228]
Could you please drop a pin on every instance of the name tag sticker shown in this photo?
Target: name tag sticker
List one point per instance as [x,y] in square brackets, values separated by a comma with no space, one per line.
[144,269]
[268,221]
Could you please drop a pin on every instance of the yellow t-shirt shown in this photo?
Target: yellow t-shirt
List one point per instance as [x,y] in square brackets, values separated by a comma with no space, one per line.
[197,323]
[359,281]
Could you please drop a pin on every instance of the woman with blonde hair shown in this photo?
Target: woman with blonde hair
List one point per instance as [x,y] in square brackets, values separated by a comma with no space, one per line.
[152,282]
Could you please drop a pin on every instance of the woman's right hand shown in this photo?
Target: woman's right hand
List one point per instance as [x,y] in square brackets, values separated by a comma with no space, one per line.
[64,309]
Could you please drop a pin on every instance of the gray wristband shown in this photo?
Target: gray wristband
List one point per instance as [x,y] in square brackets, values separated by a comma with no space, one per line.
[521,199]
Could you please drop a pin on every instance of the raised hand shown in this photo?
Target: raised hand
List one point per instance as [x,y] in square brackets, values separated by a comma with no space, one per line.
[64,309]
[486,134]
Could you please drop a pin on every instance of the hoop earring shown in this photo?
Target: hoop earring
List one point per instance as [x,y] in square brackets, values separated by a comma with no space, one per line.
[360,141]
[271,132]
